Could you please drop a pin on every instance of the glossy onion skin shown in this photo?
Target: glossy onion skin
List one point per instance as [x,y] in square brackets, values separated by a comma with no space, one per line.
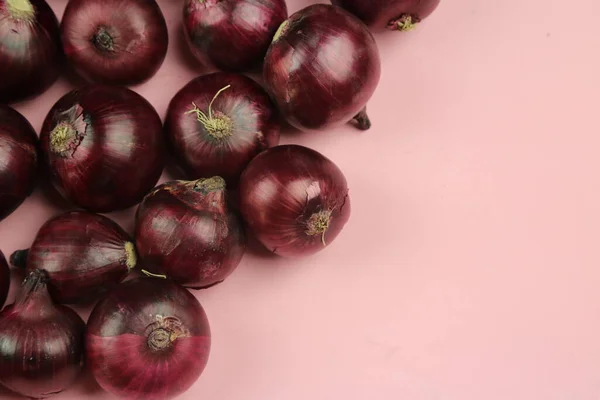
[139,37]
[185,231]
[41,344]
[116,155]
[4,279]
[119,337]
[322,67]
[30,52]
[84,254]
[282,189]
[381,14]
[255,126]
[232,35]
[18,160]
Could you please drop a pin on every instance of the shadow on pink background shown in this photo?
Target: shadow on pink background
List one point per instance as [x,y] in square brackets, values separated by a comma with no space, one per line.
[470,267]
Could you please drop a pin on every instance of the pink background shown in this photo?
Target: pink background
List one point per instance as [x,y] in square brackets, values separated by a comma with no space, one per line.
[470,268]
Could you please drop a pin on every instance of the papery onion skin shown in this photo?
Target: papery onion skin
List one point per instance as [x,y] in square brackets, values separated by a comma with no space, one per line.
[185,231]
[294,200]
[322,68]
[19,160]
[232,35]
[4,279]
[244,122]
[118,42]
[84,254]
[398,15]
[148,339]
[103,146]
[30,51]
[41,344]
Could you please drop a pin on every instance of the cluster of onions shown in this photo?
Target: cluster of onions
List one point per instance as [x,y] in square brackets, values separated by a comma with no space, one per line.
[399,15]
[102,146]
[19,154]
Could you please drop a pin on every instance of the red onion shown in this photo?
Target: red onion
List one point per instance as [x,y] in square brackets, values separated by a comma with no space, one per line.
[232,35]
[103,147]
[19,155]
[4,280]
[322,68]
[185,232]
[120,42]
[41,344]
[294,200]
[149,339]
[30,51]
[84,255]
[217,123]
[401,15]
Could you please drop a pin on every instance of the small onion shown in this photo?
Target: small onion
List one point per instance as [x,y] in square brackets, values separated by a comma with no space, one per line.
[398,15]
[41,344]
[294,200]
[103,146]
[84,254]
[30,50]
[232,35]
[4,279]
[19,155]
[322,68]
[218,122]
[185,232]
[149,339]
[119,42]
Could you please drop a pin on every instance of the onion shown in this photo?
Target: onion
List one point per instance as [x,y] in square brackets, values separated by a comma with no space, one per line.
[217,123]
[103,147]
[401,15]
[232,35]
[41,344]
[120,42]
[30,51]
[84,255]
[294,200]
[19,155]
[185,232]
[149,339]
[4,280]
[322,68]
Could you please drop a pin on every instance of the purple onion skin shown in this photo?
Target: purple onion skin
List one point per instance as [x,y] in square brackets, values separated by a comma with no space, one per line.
[103,146]
[244,123]
[185,231]
[19,153]
[389,14]
[84,254]
[4,279]
[232,35]
[117,42]
[294,200]
[30,52]
[149,339]
[41,344]
[322,68]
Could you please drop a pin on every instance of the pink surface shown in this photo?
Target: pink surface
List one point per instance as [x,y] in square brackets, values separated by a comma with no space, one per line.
[470,267]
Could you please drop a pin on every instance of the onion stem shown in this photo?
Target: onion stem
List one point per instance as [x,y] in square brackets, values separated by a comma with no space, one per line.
[403,24]
[219,126]
[151,275]
[130,256]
